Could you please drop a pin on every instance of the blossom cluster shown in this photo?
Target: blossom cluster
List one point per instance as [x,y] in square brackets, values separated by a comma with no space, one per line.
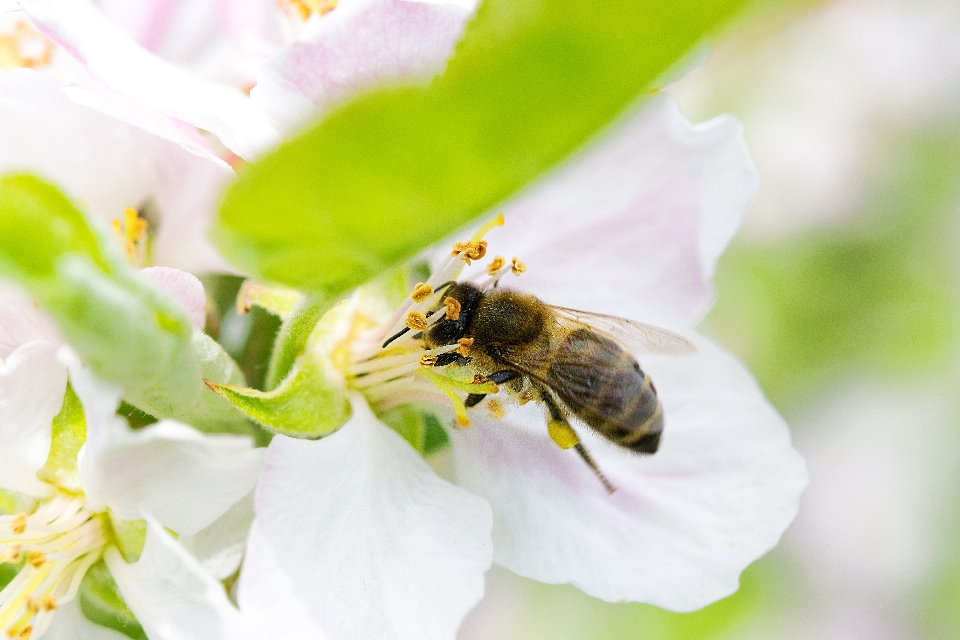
[141,112]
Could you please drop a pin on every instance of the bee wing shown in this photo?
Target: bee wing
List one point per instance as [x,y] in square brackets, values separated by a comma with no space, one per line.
[637,338]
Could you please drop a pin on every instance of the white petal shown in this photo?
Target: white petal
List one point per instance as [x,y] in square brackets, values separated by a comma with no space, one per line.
[219,547]
[21,321]
[171,595]
[108,166]
[357,533]
[184,287]
[116,61]
[69,623]
[32,383]
[634,224]
[358,46]
[172,471]
[682,524]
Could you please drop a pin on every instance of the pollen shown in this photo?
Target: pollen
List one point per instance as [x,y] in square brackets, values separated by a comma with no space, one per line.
[494,409]
[129,231]
[12,554]
[24,48]
[453,308]
[427,360]
[495,265]
[469,251]
[464,348]
[518,267]
[421,292]
[36,559]
[48,603]
[416,321]
[32,605]
[19,523]
[306,8]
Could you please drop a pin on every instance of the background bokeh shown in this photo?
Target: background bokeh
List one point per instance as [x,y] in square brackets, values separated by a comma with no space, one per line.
[842,294]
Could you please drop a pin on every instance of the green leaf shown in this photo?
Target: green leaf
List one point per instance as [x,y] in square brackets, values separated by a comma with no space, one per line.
[124,329]
[399,168]
[68,436]
[102,604]
[291,342]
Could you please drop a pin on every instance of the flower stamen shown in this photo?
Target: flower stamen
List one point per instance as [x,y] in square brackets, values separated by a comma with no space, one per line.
[453,308]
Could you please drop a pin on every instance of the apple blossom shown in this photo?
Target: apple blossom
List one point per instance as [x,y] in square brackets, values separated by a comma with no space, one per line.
[353,534]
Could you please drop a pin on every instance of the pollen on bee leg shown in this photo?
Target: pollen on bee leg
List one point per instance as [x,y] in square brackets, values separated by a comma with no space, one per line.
[416,321]
[421,292]
[453,308]
[464,348]
[517,266]
[563,434]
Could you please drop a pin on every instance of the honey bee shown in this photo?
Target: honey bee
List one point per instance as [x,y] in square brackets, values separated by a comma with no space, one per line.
[577,364]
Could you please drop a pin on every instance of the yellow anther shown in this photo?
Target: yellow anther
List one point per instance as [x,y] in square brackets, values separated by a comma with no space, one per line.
[24,48]
[19,523]
[464,348]
[494,409]
[49,603]
[496,221]
[12,554]
[427,360]
[469,251]
[563,434]
[453,308]
[25,633]
[32,606]
[421,292]
[518,267]
[416,321]
[495,265]
[36,559]
[305,8]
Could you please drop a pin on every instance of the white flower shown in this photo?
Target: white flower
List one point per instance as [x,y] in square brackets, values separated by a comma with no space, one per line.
[354,535]
[78,502]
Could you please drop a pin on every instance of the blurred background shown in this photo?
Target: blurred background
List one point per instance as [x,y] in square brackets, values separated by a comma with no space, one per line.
[842,294]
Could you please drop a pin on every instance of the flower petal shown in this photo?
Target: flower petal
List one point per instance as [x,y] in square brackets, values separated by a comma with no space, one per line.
[650,207]
[32,383]
[119,63]
[361,44]
[69,623]
[682,524]
[170,470]
[184,287]
[219,547]
[171,595]
[109,166]
[22,322]
[357,536]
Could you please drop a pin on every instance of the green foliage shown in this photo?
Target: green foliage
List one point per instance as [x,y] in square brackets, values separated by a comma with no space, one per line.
[68,436]
[398,168]
[292,339]
[102,604]
[124,329]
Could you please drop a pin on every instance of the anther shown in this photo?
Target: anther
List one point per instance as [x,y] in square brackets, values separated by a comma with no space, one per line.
[427,360]
[494,409]
[19,523]
[495,265]
[32,606]
[13,553]
[518,267]
[464,348]
[421,292]
[416,321]
[453,308]
[25,633]
[48,603]
[36,559]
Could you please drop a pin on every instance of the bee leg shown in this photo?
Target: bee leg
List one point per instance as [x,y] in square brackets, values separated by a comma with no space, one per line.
[566,438]
[498,377]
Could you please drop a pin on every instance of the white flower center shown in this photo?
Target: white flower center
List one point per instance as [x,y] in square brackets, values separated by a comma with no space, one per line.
[55,545]
[391,365]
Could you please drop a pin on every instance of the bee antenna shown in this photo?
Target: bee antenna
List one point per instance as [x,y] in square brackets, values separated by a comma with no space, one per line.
[582,450]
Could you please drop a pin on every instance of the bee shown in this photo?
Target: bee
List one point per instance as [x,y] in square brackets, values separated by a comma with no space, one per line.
[577,364]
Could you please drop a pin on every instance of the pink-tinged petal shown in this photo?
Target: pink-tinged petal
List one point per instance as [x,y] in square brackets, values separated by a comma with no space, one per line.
[184,287]
[32,383]
[682,524]
[633,225]
[359,535]
[172,471]
[108,166]
[69,623]
[171,595]
[117,62]
[358,46]
[21,322]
